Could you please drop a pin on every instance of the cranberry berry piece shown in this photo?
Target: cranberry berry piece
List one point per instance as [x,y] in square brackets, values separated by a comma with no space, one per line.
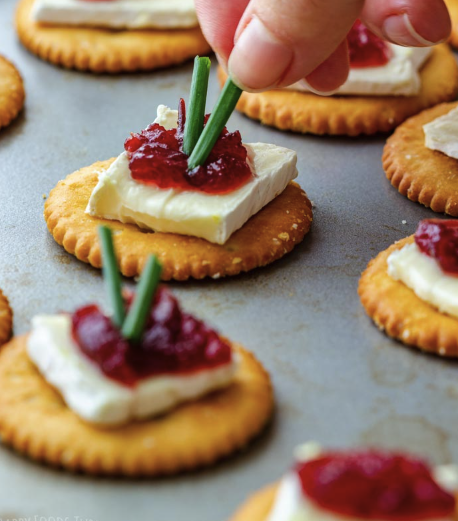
[173,342]
[366,49]
[156,158]
[375,485]
[102,343]
[439,239]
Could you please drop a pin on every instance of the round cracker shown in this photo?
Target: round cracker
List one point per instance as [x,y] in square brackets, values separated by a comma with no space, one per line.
[453,10]
[12,94]
[6,319]
[425,176]
[398,311]
[105,50]
[266,237]
[258,506]
[352,115]
[195,434]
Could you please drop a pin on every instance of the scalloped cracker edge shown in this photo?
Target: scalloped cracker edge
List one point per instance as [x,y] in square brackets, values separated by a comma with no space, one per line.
[6,319]
[194,435]
[105,50]
[402,315]
[266,237]
[425,176]
[12,94]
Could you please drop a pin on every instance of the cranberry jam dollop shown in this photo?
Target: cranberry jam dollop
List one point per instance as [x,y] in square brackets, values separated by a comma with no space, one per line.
[439,239]
[375,485]
[156,158]
[173,342]
[366,49]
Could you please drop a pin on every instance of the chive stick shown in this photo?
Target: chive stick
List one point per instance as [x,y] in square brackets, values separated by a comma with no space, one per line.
[196,106]
[136,319]
[111,275]
[220,116]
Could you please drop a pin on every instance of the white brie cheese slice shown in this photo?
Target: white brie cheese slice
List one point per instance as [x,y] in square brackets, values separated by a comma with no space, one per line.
[117,14]
[98,399]
[213,217]
[442,134]
[423,275]
[399,77]
[292,505]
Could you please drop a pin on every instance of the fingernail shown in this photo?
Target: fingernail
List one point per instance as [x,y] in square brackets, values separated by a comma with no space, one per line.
[399,29]
[258,60]
[306,85]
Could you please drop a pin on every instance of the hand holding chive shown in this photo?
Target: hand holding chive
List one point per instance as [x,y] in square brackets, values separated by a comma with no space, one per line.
[133,325]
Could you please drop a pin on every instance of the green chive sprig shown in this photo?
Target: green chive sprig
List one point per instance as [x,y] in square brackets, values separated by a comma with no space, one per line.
[196,105]
[217,121]
[111,275]
[134,324]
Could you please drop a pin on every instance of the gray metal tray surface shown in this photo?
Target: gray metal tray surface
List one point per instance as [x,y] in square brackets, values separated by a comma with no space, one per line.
[337,378]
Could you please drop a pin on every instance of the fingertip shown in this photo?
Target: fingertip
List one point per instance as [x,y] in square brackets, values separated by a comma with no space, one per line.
[259,60]
[331,74]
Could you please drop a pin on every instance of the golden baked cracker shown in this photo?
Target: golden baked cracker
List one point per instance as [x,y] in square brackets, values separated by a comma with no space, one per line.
[266,237]
[453,10]
[36,422]
[398,311]
[423,175]
[12,94]
[6,319]
[105,50]
[258,506]
[352,115]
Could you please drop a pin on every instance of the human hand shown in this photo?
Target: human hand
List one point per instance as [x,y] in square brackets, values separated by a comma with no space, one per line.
[274,43]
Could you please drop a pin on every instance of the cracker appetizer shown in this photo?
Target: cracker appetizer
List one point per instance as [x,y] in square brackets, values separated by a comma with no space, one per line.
[453,10]
[189,191]
[6,319]
[359,484]
[149,390]
[111,36]
[12,94]
[386,85]
[421,159]
[411,289]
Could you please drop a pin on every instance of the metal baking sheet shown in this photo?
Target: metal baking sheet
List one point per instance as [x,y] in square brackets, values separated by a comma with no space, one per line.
[337,378]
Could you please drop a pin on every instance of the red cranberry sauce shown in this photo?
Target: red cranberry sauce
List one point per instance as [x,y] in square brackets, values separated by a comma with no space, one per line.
[173,342]
[156,158]
[375,485]
[366,49]
[439,239]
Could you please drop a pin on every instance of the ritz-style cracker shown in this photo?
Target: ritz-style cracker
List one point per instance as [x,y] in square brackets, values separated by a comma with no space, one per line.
[258,506]
[425,176]
[6,319]
[194,435]
[12,94]
[105,50]
[266,237]
[396,309]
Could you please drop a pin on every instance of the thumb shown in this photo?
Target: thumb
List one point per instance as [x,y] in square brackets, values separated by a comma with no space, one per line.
[279,42]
